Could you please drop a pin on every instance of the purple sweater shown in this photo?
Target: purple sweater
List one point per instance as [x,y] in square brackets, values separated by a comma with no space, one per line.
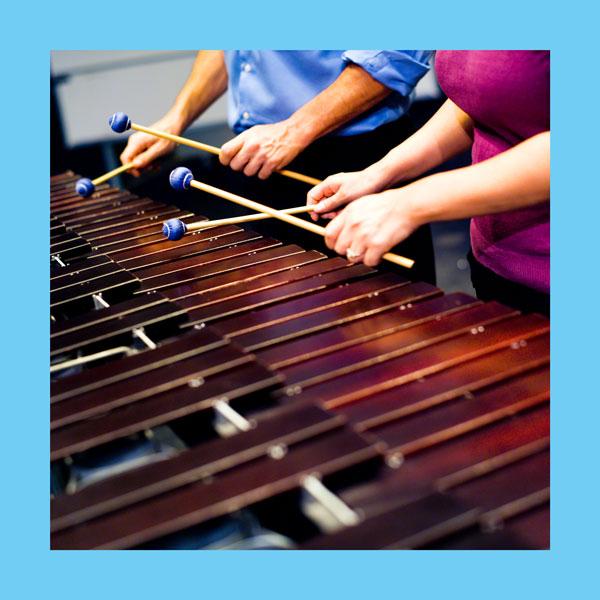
[507,94]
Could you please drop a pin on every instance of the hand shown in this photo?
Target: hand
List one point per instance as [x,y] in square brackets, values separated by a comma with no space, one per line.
[372,225]
[143,149]
[263,149]
[340,189]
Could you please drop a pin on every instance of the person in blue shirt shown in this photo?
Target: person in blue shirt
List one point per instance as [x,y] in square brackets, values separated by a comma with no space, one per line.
[318,111]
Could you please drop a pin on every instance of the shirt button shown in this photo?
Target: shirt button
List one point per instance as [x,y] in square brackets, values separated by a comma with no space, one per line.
[247,67]
[246,114]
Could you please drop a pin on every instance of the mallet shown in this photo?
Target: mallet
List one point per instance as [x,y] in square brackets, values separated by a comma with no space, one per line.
[86,187]
[175,229]
[120,122]
[182,179]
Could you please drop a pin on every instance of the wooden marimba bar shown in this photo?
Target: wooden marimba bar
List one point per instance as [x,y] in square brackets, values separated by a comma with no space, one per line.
[338,406]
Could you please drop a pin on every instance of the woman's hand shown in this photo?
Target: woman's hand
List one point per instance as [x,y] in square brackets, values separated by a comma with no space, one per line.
[143,149]
[340,189]
[369,227]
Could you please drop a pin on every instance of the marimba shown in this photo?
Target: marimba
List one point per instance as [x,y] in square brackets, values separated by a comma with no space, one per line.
[229,384]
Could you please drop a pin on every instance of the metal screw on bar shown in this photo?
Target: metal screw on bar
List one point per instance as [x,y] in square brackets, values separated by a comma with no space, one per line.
[394,460]
[277,451]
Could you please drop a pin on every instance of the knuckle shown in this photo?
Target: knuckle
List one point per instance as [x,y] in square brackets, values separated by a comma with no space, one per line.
[377,242]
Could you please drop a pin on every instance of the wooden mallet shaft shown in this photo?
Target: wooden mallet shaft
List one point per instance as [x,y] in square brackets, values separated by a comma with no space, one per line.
[86,187]
[214,150]
[112,173]
[197,226]
[287,218]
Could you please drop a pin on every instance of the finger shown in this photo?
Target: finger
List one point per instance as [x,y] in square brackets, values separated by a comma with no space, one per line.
[266,170]
[254,165]
[134,147]
[333,230]
[243,157]
[230,149]
[345,239]
[144,159]
[329,204]
[373,254]
[326,188]
[328,216]
[312,198]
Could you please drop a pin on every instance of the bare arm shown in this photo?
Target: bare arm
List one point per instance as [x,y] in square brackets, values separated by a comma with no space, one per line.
[446,134]
[263,149]
[351,94]
[206,83]
[517,178]
[513,179]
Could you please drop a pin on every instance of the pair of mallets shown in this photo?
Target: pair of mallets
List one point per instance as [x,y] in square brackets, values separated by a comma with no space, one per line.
[182,179]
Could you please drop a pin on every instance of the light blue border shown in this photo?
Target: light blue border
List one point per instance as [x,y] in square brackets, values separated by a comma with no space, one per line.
[31,30]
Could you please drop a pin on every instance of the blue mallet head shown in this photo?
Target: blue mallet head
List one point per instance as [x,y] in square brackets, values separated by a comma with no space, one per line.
[84,187]
[119,122]
[180,178]
[174,229]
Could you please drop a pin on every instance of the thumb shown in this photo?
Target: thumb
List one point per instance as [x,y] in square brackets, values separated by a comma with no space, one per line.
[330,203]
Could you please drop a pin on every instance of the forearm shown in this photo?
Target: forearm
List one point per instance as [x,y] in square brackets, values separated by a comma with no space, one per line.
[517,178]
[206,83]
[448,133]
[350,95]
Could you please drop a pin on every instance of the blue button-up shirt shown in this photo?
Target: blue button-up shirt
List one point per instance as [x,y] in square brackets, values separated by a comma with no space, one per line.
[267,86]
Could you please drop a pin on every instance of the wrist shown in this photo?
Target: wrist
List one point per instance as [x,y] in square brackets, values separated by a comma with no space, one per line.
[177,119]
[381,175]
[303,130]
[424,199]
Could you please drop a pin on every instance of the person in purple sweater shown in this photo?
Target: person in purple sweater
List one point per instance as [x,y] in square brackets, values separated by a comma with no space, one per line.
[498,106]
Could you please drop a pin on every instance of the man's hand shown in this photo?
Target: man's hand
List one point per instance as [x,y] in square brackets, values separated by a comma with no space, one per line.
[341,189]
[263,149]
[143,149]
[371,226]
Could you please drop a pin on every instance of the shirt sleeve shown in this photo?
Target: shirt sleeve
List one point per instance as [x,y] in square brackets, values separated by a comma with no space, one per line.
[398,70]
